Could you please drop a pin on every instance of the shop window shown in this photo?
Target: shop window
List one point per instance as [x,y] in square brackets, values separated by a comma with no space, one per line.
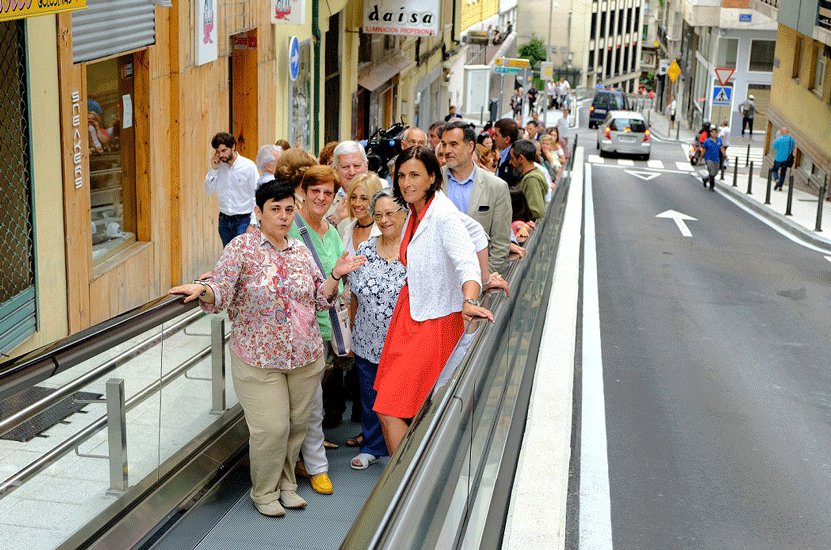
[112,155]
[727,51]
[18,313]
[761,55]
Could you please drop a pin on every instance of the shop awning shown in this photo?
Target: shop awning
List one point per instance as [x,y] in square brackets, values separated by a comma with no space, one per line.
[376,76]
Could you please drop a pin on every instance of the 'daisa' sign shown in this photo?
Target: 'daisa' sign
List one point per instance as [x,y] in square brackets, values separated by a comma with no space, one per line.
[406,17]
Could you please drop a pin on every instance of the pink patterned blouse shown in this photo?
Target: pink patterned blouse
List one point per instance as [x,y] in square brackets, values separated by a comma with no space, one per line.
[272,296]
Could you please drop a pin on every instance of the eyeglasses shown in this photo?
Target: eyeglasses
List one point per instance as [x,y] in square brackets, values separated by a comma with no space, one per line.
[314,192]
[378,216]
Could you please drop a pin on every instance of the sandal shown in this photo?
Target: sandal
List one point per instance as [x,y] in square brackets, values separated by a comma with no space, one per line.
[330,444]
[356,441]
[363,461]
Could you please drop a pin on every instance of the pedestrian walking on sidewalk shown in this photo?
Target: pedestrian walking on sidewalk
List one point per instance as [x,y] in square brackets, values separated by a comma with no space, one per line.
[711,151]
[784,147]
[748,111]
[724,136]
[672,109]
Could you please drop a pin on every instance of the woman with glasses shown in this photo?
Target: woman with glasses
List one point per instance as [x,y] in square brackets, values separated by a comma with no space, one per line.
[318,188]
[440,294]
[375,289]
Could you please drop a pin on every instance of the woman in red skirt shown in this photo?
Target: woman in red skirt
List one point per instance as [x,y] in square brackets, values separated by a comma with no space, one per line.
[440,294]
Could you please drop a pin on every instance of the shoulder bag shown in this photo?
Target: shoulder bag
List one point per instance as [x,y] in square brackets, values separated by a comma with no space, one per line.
[338,315]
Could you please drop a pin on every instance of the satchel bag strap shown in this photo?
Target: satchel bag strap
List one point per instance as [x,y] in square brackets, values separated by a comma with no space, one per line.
[333,311]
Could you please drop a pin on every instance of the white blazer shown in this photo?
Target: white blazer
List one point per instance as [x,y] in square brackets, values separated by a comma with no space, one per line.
[441,257]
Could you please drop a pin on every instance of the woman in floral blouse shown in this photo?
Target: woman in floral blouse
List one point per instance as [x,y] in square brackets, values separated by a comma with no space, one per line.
[375,286]
[272,288]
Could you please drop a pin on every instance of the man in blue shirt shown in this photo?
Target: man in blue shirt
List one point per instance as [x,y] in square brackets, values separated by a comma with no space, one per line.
[784,146]
[711,151]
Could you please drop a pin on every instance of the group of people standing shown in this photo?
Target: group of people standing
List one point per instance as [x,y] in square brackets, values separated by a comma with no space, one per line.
[303,237]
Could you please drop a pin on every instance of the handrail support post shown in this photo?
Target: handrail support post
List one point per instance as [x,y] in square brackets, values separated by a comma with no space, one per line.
[117,436]
[218,398]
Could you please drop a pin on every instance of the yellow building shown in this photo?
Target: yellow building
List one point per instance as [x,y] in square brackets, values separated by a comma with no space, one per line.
[800,98]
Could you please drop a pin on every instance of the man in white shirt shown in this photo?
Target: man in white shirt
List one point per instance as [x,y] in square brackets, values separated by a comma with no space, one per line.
[562,124]
[724,135]
[233,179]
[267,158]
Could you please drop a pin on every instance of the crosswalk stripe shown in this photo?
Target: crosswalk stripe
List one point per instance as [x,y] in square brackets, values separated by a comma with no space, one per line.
[685,166]
[594,159]
[626,162]
[655,164]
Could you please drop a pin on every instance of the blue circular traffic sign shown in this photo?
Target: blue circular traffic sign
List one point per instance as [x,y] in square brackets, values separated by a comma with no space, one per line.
[294,58]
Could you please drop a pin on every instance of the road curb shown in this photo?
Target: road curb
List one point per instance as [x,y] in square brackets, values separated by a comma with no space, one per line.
[776,218]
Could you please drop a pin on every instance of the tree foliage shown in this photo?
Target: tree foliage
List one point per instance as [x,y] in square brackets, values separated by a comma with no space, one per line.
[533,51]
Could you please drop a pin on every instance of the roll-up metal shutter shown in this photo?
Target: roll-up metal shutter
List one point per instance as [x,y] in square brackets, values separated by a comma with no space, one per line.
[109,27]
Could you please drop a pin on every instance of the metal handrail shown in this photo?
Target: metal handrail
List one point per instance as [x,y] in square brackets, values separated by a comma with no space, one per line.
[73,442]
[54,358]
[429,441]
[99,341]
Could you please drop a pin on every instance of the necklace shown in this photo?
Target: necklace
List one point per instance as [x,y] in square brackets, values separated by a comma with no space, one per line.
[384,251]
[359,226]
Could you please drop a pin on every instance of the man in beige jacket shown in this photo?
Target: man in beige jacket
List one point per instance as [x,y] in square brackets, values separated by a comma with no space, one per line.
[476,192]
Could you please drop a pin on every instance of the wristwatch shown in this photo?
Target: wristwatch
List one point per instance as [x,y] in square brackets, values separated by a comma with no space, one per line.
[471,301]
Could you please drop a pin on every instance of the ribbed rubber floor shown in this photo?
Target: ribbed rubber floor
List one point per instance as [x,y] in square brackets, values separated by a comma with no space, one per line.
[322,525]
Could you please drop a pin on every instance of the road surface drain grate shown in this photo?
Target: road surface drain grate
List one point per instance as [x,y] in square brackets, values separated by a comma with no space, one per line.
[44,420]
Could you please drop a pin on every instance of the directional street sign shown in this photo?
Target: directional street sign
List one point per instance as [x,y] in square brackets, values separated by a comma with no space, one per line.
[517,62]
[506,70]
[294,58]
[721,96]
[674,71]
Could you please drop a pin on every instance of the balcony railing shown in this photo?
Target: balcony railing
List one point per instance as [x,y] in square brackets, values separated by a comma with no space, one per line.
[771,3]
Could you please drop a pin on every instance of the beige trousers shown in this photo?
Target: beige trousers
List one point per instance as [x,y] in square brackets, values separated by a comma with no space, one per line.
[276,403]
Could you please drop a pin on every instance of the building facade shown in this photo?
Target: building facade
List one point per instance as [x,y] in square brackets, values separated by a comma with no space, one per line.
[110,111]
[801,98]
[724,34]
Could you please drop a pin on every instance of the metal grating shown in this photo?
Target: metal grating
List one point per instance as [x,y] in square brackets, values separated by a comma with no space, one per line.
[17,268]
[45,420]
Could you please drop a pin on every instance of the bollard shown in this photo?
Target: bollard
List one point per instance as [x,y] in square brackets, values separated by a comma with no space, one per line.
[482,116]
[747,158]
[649,117]
[750,180]
[677,129]
[790,195]
[820,202]
[736,173]
[767,192]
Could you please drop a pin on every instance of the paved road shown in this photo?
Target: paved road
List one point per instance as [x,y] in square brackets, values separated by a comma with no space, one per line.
[716,353]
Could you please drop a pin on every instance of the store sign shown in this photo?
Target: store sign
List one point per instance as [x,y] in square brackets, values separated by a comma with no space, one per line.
[20,9]
[404,17]
[288,12]
[77,140]
[745,18]
[205,32]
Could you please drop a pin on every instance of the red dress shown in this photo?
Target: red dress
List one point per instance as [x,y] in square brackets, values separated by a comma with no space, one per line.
[415,351]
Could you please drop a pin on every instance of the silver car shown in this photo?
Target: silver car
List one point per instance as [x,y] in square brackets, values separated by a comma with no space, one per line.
[624,132]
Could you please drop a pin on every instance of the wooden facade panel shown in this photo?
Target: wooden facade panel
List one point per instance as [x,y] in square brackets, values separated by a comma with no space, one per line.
[124,286]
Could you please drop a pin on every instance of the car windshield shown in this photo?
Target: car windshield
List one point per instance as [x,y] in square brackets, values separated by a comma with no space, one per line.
[628,125]
[608,101]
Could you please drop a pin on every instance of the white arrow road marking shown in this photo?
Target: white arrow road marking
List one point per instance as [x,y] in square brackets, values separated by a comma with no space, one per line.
[645,176]
[679,220]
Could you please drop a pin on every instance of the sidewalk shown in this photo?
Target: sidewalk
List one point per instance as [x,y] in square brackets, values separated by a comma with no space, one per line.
[804,206]
[800,223]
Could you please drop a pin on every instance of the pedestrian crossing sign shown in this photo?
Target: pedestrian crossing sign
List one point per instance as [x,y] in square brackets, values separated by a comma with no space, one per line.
[722,95]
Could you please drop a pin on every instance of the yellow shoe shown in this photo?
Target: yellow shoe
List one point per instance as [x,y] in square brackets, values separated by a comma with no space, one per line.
[322,484]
